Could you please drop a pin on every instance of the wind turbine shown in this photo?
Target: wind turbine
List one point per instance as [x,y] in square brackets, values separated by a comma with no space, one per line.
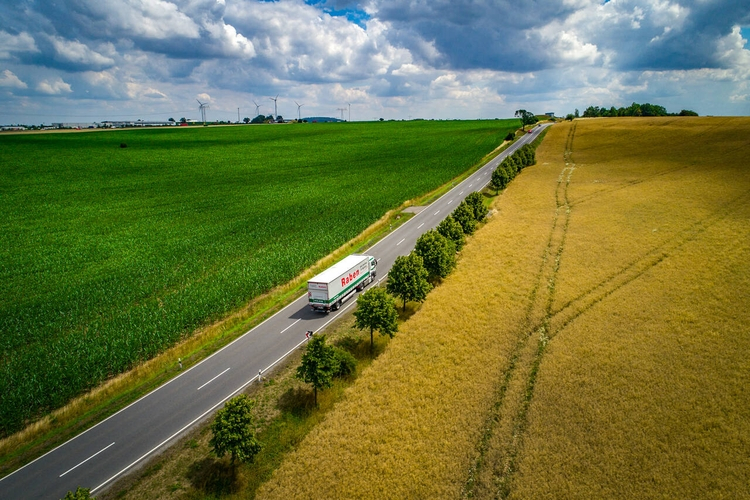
[342,112]
[274,99]
[350,111]
[202,109]
[299,116]
[257,108]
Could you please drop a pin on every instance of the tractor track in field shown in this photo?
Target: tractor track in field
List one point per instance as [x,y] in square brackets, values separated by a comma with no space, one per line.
[497,451]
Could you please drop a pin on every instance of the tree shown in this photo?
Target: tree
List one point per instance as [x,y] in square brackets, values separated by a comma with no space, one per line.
[452,230]
[688,112]
[407,279]
[476,202]
[318,365]
[527,118]
[171,120]
[80,494]
[577,115]
[376,310]
[183,120]
[246,120]
[499,179]
[464,215]
[232,431]
[510,137]
[438,252]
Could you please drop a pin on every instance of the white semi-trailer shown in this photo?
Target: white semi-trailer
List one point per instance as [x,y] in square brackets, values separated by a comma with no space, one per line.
[331,288]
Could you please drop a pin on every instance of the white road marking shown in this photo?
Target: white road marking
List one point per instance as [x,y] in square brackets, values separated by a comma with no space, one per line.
[436,212]
[471,184]
[422,224]
[92,456]
[450,202]
[459,194]
[288,327]
[217,376]
[397,244]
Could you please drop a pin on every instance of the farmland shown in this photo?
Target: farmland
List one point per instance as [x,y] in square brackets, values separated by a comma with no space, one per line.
[110,254]
[605,356]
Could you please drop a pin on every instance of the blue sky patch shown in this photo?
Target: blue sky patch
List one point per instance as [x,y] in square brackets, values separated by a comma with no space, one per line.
[356,16]
[745,32]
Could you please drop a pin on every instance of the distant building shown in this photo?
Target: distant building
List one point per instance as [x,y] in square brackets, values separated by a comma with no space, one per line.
[551,114]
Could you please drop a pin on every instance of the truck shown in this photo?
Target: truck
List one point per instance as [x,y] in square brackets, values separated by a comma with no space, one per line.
[334,286]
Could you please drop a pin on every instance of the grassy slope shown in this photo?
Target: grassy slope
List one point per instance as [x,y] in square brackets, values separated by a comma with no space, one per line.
[113,254]
[603,357]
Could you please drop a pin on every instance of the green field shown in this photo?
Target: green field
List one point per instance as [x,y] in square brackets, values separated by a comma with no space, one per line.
[109,255]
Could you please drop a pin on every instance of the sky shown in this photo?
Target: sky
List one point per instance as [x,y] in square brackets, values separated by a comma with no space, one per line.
[95,60]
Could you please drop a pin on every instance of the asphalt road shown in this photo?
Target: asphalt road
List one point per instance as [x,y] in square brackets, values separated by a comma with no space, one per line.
[100,455]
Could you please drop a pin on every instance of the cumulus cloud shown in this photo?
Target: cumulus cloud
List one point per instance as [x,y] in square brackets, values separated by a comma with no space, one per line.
[77,54]
[10,80]
[388,55]
[13,44]
[54,87]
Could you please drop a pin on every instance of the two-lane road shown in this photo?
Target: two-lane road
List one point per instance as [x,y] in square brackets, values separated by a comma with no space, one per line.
[98,456]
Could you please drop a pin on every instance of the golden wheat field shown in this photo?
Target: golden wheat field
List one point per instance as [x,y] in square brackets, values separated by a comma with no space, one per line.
[592,343]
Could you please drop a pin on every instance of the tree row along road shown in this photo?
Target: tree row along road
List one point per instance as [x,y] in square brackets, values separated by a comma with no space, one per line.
[107,451]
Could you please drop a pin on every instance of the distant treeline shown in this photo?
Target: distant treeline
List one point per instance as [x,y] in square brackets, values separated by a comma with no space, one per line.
[634,109]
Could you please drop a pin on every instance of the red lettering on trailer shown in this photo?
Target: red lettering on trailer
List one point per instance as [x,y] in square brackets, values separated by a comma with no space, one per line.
[348,279]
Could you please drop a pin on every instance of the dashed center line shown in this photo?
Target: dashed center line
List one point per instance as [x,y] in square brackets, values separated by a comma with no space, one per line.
[397,244]
[217,376]
[92,456]
[436,212]
[422,224]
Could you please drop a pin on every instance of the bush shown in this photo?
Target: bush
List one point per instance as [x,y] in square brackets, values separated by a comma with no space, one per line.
[345,364]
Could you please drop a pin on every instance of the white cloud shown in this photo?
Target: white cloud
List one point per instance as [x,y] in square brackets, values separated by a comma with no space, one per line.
[73,51]
[55,87]
[23,42]
[9,79]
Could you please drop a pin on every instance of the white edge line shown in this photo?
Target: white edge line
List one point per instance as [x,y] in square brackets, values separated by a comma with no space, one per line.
[217,376]
[92,456]
[155,390]
[205,412]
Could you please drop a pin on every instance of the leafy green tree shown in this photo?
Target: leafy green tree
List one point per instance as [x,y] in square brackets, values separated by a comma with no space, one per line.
[438,252]
[318,365]
[464,215]
[527,118]
[246,120]
[510,137]
[376,310]
[183,120]
[79,494]
[476,201]
[232,430]
[688,112]
[452,230]
[499,179]
[407,279]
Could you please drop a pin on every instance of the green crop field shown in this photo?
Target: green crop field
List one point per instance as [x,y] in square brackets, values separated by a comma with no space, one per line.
[109,255]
